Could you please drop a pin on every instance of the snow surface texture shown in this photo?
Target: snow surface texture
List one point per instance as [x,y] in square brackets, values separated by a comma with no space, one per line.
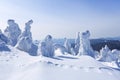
[12,32]
[18,65]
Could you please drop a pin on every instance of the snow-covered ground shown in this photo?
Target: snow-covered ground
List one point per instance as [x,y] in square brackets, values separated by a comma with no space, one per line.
[19,65]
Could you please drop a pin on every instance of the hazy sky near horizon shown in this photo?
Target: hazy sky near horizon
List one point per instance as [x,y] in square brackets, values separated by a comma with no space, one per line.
[63,18]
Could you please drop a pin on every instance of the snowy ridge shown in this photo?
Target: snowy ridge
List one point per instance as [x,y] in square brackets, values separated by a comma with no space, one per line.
[22,66]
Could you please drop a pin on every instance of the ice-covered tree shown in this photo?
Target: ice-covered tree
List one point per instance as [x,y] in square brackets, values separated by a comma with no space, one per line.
[115,54]
[106,54]
[104,51]
[59,47]
[77,44]
[85,47]
[25,39]
[46,47]
[3,37]
[118,62]
[12,32]
[67,46]
[3,42]
[27,32]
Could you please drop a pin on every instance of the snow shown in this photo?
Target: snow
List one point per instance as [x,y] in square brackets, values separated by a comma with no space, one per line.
[110,64]
[53,61]
[107,55]
[67,46]
[12,32]
[85,47]
[3,42]
[25,42]
[3,38]
[46,47]
[18,65]
[77,44]
[25,39]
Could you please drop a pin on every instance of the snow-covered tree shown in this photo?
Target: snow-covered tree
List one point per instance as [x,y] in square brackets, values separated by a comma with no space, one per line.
[107,55]
[25,39]
[46,48]
[67,46]
[3,42]
[27,32]
[3,37]
[77,44]
[59,47]
[118,62]
[85,47]
[73,52]
[104,51]
[12,32]
[115,54]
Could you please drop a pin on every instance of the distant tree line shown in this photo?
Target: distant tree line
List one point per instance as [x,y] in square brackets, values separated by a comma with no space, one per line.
[97,44]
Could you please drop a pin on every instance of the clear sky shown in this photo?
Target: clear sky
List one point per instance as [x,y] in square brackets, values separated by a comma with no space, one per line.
[63,18]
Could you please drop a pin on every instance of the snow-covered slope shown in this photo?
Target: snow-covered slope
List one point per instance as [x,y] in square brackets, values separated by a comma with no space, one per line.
[18,65]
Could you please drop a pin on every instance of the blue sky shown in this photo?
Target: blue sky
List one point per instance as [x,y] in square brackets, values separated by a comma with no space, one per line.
[63,18]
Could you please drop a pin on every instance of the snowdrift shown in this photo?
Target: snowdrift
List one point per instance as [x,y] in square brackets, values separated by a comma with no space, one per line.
[18,65]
